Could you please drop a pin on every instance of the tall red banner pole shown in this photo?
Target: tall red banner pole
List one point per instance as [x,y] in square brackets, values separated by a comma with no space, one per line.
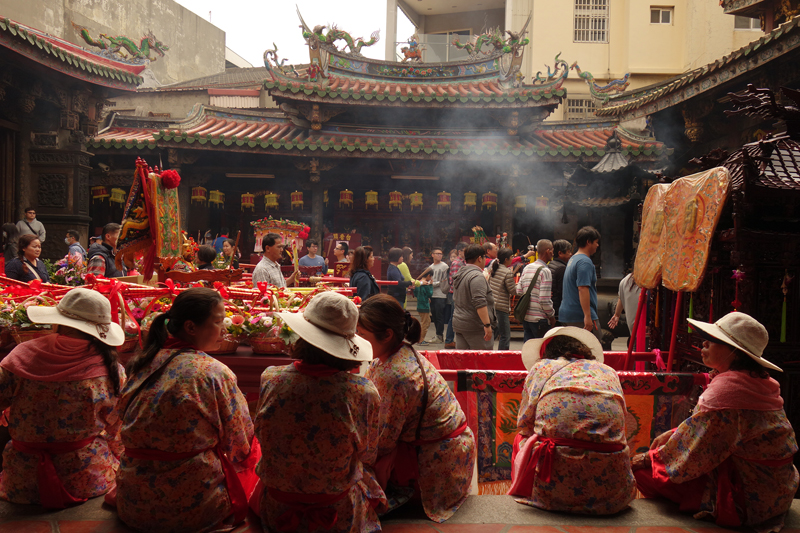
[639,311]
[675,320]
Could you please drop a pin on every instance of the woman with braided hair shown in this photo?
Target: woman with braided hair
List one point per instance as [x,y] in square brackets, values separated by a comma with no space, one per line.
[424,433]
[190,452]
[60,394]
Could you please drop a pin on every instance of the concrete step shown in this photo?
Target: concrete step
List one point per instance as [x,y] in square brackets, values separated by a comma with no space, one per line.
[479,514]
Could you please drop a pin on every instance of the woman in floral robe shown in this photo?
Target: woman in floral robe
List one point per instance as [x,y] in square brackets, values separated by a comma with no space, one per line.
[571,453]
[424,433]
[190,453]
[60,393]
[732,459]
[318,426]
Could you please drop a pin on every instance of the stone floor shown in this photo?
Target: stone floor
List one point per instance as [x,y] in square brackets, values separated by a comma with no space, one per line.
[479,514]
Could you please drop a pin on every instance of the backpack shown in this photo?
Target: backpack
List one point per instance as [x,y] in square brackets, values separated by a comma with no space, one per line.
[521,309]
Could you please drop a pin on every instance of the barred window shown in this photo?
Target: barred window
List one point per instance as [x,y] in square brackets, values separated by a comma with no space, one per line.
[580,108]
[591,21]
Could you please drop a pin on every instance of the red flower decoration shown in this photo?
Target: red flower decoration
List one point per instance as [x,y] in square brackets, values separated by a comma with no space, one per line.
[306,229]
[170,179]
[356,300]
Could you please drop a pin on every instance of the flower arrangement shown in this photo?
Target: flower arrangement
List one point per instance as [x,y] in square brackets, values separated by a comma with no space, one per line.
[69,270]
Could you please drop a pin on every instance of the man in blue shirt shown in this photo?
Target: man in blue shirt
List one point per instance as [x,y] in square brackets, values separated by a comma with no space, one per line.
[312,259]
[75,247]
[579,292]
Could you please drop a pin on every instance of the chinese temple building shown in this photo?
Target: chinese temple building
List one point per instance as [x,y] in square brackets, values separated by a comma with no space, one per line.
[53,95]
[398,153]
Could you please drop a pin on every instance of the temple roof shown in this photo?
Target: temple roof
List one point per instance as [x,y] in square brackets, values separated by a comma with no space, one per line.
[65,57]
[776,164]
[407,93]
[270,132]
[652,98]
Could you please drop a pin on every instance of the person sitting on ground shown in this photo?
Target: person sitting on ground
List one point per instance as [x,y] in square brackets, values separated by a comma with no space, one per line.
[27,266]
[423,294]
[424,432]
[732,459]
[473,303]
[393,273]
[571,453]
[360,276]
[61,393]
[311,259]
[205,257]
[502,284]
[190,452]
[319,423]
[72,240]
[227,258]
[101,258]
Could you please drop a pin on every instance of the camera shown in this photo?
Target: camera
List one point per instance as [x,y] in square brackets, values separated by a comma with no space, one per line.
[531,248]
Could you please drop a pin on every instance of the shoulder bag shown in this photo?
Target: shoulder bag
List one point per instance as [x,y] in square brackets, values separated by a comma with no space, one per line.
[521,309]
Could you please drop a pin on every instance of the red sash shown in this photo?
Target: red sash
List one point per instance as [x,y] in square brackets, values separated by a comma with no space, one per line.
[402,461]
[315,506]
[240,484]
[52,493]
[729,495]
[526,461]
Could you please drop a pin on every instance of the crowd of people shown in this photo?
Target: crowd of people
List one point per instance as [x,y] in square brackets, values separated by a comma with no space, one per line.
[169,440]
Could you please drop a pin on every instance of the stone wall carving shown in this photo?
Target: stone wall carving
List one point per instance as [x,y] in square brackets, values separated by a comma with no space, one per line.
[60,158]
[83,192]
[53,190]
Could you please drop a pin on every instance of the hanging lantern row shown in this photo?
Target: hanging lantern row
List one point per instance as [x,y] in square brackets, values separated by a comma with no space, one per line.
[118,196]
[489,201]
[248,201]
[217,198]
[199,195]
[443,200]
[100,193]
[371,199]
[271,201]
[469,200]
[541,205]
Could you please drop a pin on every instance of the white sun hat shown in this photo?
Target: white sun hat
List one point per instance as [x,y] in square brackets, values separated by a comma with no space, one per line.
[740,331]
[329,323]
[532,350]
[85,310]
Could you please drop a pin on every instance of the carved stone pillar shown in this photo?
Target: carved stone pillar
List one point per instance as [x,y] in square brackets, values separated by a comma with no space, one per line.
[317,206]
[58,187]
[505,202]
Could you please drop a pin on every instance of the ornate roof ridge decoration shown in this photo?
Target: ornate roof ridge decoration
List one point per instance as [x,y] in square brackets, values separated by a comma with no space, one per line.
[602,93]
[280,136]
[652,98]
[68,58]
[325,59]
[123,49]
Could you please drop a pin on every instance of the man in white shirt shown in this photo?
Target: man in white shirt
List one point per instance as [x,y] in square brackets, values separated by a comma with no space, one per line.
[269,269]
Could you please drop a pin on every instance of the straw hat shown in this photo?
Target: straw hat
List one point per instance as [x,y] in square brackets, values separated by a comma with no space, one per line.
[740,331]
[329,323]
[532,350]
[85,310]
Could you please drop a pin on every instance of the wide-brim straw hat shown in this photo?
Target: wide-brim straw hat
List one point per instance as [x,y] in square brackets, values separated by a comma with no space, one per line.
[740,331]
[532,350]
[329,323]
[85,310]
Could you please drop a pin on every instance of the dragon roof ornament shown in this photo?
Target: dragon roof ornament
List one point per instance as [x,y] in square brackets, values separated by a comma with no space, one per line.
[123,48]
[316,38]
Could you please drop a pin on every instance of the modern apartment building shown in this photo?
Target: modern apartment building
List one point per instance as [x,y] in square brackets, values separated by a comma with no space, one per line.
[648,40]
